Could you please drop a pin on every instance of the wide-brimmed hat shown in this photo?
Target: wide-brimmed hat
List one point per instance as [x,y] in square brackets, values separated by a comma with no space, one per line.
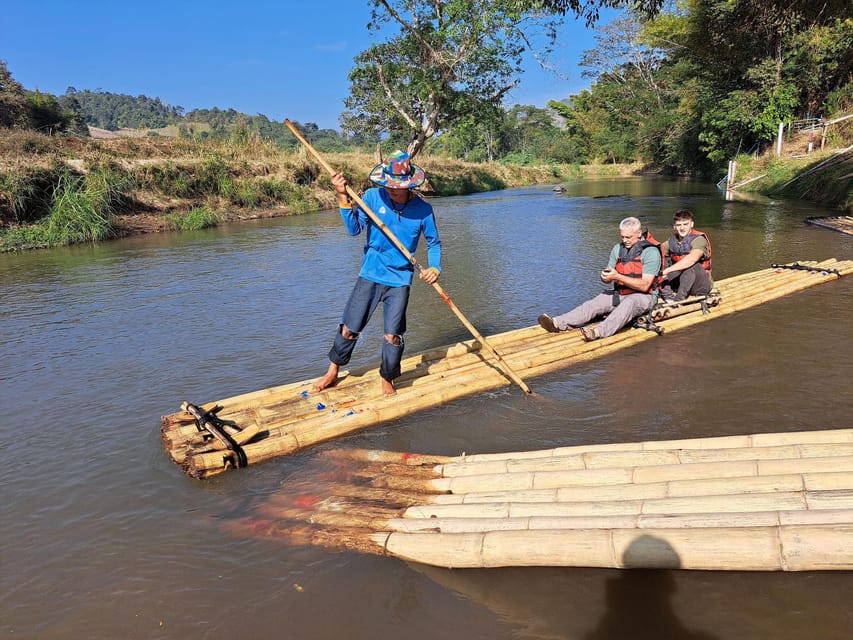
[398,172]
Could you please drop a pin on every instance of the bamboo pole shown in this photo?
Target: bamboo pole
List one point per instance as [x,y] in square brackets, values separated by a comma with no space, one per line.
[667,521]
[788,548]
[357,493]
[631,474]
[785,547]
[726,503]
[604,459]
[552,472]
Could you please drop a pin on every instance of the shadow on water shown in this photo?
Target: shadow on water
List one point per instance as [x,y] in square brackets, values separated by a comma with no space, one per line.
[639,601]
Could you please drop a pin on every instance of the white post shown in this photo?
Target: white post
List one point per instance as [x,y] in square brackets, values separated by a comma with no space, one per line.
[779,139]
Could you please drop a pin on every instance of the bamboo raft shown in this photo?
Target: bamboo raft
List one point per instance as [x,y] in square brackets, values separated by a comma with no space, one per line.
[765,502]
[844,224]
[253,427]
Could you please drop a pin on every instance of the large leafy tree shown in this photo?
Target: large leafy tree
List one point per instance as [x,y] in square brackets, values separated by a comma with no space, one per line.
[443,59]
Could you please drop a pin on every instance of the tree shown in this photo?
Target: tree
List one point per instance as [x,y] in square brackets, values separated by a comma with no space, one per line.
[13,100]
[75,121]
[445,58]
[45,113]
[589,9]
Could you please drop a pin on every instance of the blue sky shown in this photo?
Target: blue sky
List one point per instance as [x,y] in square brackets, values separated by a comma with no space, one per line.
[281,59]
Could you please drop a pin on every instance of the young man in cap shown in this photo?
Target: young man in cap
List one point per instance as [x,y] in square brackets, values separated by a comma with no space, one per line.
[386,274]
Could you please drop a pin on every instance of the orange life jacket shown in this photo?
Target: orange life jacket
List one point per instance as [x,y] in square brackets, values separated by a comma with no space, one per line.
[630,263]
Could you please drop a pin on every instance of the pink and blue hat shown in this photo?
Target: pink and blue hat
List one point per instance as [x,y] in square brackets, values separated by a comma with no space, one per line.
[398,172]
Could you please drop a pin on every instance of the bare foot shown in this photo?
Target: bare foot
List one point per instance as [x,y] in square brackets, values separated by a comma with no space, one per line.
[329,379]
[388,388]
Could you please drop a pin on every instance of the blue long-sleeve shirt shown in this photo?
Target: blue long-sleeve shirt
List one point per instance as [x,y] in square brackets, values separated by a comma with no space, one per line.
[383,262]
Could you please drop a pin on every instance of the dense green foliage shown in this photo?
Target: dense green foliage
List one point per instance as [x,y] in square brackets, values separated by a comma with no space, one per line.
[21,109]
[13,100]
[691,88]
[230,124]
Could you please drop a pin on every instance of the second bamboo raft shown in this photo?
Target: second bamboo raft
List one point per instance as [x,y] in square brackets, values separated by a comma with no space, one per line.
[764,502]
[272,422]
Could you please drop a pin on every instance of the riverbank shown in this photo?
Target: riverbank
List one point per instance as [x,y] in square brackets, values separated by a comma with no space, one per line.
[800,171]
[825,177]
[63,190]
[56,191]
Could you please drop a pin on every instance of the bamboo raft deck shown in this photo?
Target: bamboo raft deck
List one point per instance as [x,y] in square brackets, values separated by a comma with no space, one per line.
[765,502]
[280,420]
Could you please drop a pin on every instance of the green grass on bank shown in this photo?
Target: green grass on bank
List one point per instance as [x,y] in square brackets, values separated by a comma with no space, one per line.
[57,191]
[823,177]
[194,219]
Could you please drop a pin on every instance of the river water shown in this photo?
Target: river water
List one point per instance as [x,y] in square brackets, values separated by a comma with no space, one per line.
[103,537]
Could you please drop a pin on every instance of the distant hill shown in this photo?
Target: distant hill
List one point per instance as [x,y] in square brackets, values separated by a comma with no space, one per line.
[120,115]
[114,111]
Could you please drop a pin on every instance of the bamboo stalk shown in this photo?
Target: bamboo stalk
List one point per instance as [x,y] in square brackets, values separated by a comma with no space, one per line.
[789,548]
[810,482]
[786,546]
[668,521]
[634,475]
[731,503]
[604,459]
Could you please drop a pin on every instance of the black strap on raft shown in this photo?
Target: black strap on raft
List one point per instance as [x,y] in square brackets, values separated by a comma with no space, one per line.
[208,421]
[646,320]
[805,267]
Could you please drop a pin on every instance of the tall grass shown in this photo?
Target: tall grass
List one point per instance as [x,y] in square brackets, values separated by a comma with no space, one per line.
[194,219]
[82,209]
[79,212]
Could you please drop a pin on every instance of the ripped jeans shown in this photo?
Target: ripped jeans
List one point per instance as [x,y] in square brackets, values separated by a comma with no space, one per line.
[363,300]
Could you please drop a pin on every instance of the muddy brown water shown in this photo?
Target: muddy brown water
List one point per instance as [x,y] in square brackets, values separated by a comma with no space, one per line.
[103,537]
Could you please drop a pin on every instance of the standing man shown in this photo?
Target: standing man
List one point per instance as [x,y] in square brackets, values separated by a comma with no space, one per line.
[687,260]
[633,269]
[386,274]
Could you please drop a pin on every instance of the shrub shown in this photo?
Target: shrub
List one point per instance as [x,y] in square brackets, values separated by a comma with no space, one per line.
[194,219]
[79,212]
